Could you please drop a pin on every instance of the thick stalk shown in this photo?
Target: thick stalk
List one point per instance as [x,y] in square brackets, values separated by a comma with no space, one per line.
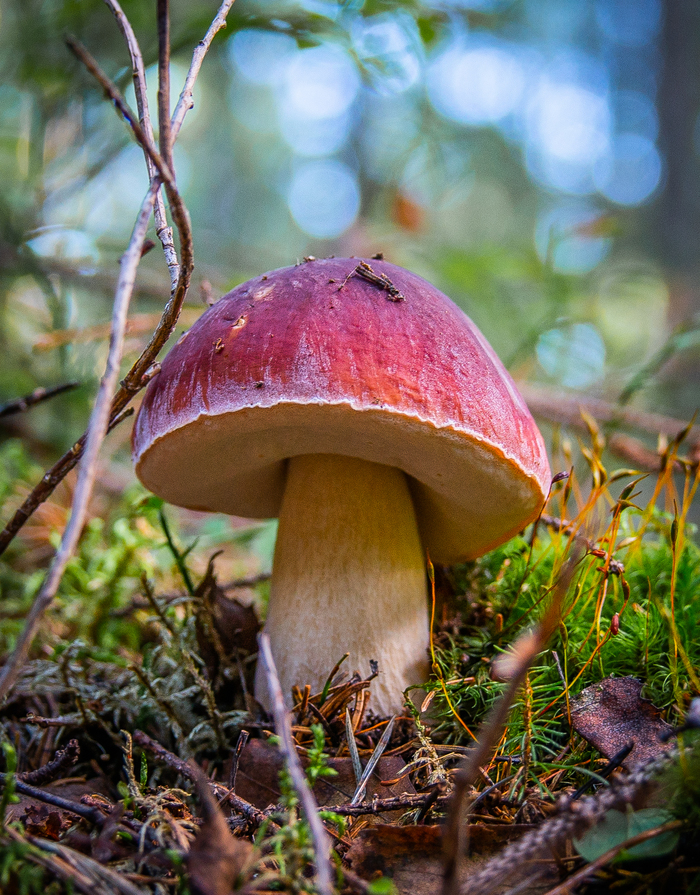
[348,577]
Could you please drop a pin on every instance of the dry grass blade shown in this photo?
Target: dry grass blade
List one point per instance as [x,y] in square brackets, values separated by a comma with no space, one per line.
[372,763]
[296,772]
[352,747]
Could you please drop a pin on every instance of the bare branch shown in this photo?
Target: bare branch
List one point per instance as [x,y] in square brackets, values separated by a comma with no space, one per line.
[114,94]
[185,103]
[560,407]
[306,797]
[39,394]
[163,231]
[99,422]
[164,130]
[141,371]
[51,479]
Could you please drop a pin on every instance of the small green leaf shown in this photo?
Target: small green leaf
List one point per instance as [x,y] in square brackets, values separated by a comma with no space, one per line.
[616,828]
[382,886]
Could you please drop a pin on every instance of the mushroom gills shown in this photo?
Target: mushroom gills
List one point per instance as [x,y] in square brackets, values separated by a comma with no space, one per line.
[348,577]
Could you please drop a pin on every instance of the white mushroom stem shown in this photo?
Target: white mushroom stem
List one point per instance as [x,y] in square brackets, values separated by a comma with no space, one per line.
[348,577]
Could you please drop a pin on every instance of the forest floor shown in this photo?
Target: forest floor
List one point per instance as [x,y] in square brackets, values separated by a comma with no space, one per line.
[136,760]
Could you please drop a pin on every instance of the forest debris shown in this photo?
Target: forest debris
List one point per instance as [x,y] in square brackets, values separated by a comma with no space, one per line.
[224,625]
[250,812]
[612,713]
[260,764]
[63,759]
[309,806]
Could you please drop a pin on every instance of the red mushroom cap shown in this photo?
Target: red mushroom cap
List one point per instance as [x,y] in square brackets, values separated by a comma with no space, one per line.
[332,357]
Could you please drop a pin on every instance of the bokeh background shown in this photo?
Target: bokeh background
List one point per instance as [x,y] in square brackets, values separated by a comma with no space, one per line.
[538,160]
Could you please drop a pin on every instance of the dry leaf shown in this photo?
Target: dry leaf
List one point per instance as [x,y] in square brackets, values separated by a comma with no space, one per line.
[612,713]
[257,778]
[216,858]
[412,856]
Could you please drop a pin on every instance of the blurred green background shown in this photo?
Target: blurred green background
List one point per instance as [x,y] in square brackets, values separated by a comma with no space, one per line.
[538,160]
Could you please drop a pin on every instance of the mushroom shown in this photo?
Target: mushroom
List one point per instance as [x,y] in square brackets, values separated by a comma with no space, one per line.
[357,403]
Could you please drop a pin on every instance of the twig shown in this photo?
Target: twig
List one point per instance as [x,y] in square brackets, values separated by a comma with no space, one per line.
[94,815]
[164,129]
[97,430]
[49,482]
[185,103]
[163,231]
[581,875]
[563,408]
[137,377]
[284,732]
[39,394]
[250,812]
[64,758]
[572,820]
[87,874]
[113,93]
[137,323]
[519,661]
[405,802]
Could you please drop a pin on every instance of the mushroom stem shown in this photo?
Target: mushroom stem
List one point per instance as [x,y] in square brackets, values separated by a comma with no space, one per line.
[348,577]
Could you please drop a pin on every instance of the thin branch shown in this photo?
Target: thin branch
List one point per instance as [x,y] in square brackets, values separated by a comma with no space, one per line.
[143,369]
[97,430]
[405,802]
[185,102]
[560,407]
[39,394]
[51,479]
[113,93]
[94,815]
[296,772]
[567,887]
[164,129]
[163,231]
[250,812]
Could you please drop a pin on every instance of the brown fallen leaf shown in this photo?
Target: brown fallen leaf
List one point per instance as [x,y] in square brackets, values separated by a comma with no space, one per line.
[612,713]
[45,822]
[257,779]
[216,858]
[412,856]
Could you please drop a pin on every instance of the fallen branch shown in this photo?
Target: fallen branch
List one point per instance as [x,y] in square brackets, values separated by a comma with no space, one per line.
[250,812]
[63,759]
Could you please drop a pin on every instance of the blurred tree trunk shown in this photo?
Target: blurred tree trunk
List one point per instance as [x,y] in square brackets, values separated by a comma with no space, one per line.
[678,214]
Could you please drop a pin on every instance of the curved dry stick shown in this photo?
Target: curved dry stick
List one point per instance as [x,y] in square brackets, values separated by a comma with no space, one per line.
[163,231]
[142,369]
[106,411]
[99,422]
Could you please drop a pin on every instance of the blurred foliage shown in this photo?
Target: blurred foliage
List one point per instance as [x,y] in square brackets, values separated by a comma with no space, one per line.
[454,201]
